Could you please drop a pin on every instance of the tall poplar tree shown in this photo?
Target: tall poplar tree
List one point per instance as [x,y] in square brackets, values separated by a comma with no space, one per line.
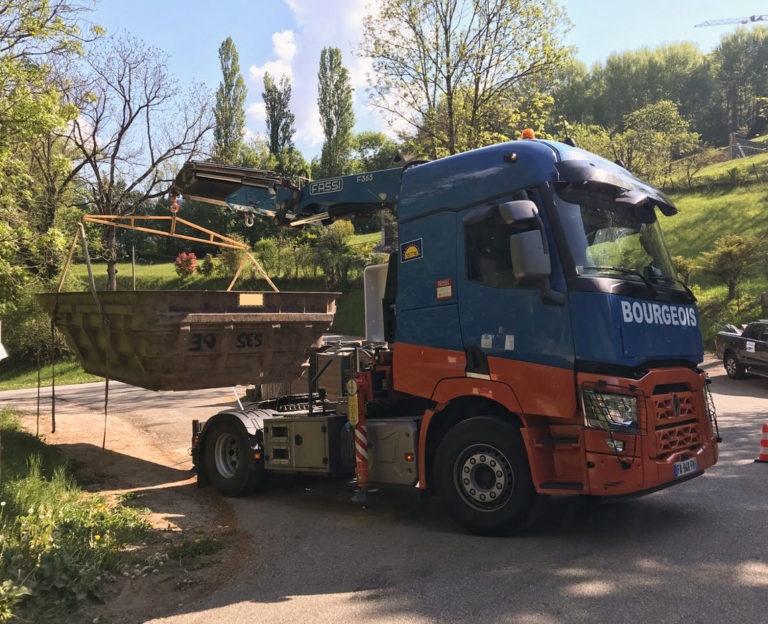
[334,99]
[280,119]
[229,112]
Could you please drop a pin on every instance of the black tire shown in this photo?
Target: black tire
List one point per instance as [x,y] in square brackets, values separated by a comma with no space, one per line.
[229,462]
[733,368]
[482,476]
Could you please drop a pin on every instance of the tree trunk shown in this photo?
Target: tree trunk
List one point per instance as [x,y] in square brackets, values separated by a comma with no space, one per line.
[110,254]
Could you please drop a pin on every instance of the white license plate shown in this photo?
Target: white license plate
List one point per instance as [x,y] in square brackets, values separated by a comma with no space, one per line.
[683,468]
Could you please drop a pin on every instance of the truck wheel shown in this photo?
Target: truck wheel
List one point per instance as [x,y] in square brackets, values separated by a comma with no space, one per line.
[482,475]
[228,460]
[733,367]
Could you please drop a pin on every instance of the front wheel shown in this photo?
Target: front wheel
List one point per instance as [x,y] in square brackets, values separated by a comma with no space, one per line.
[733,367]
[229,461]
[482,475]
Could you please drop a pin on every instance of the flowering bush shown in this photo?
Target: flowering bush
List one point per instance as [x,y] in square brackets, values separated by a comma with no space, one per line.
[186,264]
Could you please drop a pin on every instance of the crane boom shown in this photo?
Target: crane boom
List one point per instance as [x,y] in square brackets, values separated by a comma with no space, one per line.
[735,20]
[269,194]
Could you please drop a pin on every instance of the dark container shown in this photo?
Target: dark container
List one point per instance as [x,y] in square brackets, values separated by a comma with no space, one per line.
[188,340]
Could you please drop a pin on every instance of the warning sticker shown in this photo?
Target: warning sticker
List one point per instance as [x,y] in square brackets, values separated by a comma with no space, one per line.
[444,289]
[412,250]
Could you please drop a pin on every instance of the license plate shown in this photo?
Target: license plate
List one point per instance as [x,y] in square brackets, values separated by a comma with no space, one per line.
[683,468]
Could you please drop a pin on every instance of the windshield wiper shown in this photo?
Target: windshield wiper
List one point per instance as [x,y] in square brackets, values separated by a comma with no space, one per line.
[625,271]
[675,280]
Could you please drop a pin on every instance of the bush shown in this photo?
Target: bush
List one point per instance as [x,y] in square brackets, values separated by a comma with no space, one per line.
[186,264]
[27,332]
[208,265]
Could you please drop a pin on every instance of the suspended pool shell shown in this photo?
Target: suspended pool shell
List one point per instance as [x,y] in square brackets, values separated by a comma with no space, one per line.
[188,340]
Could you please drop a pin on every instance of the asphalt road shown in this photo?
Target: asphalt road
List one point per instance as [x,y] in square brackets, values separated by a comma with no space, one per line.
[694,553]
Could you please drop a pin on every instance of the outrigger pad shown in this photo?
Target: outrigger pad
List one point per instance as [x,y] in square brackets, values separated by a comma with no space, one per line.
[189,340]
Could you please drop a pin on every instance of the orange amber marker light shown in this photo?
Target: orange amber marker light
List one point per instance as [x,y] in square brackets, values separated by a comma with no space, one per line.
[257,455]
[409,457]
[527,134]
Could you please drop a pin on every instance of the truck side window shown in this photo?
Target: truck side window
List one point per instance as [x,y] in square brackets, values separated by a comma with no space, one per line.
[489,261]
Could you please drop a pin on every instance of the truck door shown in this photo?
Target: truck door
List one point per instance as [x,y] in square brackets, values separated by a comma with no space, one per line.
[756,345]
[508,329]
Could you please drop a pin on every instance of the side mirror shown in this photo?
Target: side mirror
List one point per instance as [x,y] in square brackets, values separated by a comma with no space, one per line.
[529,257]
[519,210]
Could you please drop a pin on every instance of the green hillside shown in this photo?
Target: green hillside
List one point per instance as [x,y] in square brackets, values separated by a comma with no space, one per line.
[729,197]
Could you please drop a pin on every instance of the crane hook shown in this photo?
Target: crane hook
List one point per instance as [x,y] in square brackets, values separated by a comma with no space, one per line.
[249,218]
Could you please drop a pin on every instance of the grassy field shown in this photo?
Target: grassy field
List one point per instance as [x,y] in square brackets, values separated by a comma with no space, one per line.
[25,374]
[705,216]
[727,199]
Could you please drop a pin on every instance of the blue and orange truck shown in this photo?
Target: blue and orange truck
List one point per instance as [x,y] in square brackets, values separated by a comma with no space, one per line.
[528,336]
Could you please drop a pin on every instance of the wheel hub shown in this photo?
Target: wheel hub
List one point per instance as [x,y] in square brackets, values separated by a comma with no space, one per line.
[484,477]
[225,455]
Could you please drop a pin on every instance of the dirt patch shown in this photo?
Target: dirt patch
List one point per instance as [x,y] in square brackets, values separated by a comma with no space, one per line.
[132,470]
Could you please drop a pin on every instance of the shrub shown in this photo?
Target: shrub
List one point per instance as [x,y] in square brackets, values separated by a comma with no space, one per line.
[208,265]
[59,545]
[186,264]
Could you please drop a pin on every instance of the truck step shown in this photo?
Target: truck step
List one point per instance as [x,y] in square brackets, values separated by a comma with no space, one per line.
[562,485]
[557,441]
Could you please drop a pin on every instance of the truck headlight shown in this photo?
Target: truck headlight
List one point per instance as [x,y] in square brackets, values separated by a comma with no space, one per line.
[608,411]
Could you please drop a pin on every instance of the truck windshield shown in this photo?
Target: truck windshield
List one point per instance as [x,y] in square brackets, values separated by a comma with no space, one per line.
[605,237]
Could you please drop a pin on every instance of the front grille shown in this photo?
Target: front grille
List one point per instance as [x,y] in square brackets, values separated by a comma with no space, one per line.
[676,423]
[675,438]
[674,407]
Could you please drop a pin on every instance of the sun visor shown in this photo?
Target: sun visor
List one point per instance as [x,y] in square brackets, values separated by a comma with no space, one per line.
[607,177]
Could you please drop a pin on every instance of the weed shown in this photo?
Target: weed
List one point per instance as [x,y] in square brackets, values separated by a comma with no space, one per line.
[189,553]
[58,545]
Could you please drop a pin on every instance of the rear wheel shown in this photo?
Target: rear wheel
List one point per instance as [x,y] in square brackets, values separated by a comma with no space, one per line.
[482,475]
[733,367]
[229,460]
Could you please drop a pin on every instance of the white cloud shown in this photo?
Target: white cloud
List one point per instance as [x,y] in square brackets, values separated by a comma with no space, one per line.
[296,54]
[256,111]
[284,48]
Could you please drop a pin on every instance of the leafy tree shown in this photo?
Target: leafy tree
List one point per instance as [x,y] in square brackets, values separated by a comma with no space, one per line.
[280,119]
[741,62]
[229,111]
[134,125]
[255,154]
[371,151]
[654,135]
[34,166]
[684,267]
[334,99]
[632,80]
[593,138]
[443,64]
[34,37]
[731,257]
[336,257]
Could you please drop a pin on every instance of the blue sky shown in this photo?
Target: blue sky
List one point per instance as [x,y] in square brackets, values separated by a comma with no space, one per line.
[288,35]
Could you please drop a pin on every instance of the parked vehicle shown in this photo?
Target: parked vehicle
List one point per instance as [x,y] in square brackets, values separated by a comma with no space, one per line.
[528,337]
[744,352]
